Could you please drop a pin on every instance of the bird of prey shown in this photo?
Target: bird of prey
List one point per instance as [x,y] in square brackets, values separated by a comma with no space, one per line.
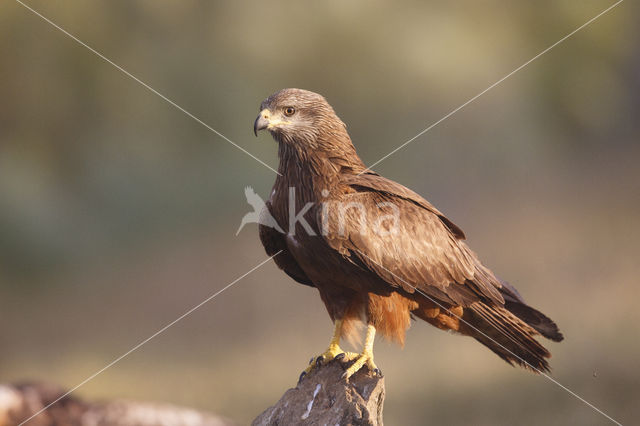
[377,252]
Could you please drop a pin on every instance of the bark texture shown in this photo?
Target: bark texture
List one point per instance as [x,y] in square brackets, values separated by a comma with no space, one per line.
[324,398]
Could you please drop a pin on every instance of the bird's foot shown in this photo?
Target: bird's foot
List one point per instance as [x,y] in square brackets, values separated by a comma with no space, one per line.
[365,358]
[332,352]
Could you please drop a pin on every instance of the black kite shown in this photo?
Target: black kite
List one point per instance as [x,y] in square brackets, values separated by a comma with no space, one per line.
[383,277]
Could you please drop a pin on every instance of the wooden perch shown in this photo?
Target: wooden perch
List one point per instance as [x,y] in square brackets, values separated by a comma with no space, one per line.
[324,398]
[19,402]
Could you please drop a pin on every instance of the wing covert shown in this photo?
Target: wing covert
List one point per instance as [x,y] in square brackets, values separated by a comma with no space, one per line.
[407,242]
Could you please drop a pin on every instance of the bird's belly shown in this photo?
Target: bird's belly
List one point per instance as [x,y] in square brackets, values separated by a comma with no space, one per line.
[328,269]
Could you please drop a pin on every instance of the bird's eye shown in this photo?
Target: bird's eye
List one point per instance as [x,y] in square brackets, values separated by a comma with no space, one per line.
[289,111]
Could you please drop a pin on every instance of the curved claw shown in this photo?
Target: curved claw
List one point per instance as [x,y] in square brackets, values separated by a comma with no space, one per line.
[333,352]
[366,358]
[304,373]
[378,372]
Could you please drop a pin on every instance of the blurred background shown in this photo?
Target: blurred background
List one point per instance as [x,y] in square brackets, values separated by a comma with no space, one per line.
[118,212]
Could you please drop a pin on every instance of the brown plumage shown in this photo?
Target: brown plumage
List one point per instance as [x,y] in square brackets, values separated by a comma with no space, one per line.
[376,251]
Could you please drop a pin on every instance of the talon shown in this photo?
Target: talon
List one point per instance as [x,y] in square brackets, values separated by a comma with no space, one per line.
[366,357]
[304,373]
[378,372]
[317,361]
[362,360]
[333,352]
[311,359]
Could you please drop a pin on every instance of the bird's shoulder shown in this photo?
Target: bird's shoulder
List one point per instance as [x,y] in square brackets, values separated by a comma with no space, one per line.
[372,182]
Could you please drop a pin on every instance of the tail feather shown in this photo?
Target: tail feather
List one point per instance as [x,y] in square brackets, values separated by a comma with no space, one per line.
[507,335]
[536,319]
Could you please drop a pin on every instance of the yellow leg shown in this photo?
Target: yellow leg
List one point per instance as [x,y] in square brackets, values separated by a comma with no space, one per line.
[366,357]
[332,352]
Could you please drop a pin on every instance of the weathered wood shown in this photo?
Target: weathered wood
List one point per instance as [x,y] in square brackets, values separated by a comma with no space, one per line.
[324,398]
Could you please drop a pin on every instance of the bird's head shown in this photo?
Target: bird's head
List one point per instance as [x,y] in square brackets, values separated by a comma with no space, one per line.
[300,117]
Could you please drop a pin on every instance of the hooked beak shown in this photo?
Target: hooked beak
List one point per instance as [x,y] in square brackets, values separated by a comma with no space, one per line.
[262,122]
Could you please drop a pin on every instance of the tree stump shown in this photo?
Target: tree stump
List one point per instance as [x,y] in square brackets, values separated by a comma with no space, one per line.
[323,397]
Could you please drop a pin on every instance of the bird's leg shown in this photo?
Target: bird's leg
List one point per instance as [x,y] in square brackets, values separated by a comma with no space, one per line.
[333,351]
[366,357]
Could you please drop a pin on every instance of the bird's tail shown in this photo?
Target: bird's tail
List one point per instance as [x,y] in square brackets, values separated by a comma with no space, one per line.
[511,335]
